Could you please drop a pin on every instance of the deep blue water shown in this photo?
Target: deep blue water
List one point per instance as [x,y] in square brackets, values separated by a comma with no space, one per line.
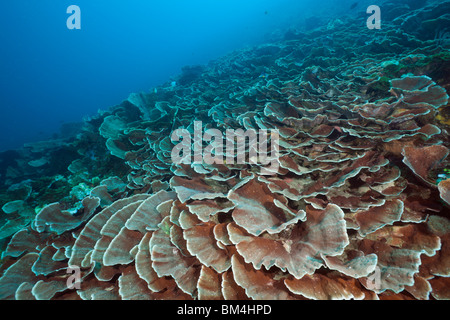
[50,75]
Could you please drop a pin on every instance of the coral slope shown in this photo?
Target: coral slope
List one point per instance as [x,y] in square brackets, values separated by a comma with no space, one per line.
[358,209]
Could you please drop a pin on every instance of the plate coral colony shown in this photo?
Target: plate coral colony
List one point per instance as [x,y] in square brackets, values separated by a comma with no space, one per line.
[350,202]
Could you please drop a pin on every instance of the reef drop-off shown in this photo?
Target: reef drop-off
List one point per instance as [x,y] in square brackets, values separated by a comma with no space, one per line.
[359,208]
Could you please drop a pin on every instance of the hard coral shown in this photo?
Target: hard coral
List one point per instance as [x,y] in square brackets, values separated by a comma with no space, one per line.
[355,210]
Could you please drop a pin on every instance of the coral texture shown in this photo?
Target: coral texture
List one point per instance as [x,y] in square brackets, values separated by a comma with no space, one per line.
[358,209]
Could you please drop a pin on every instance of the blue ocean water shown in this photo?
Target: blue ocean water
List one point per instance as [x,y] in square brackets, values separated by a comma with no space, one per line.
[50,75]
[351,202]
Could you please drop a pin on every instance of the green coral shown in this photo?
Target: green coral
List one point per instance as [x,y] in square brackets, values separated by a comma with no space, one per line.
[80,191]
[396,68]
[380,86]
[3,245]
[51,189]
[443,176]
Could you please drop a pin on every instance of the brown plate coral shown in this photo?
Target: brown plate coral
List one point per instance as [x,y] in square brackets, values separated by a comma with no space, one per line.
[358,208]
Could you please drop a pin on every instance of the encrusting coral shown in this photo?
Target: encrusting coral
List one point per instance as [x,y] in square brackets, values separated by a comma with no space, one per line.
[358,208]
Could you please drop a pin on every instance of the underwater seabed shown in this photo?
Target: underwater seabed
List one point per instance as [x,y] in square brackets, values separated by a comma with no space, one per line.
[359,207]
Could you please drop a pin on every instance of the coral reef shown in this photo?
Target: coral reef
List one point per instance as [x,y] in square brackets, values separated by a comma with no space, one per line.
[359,208]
